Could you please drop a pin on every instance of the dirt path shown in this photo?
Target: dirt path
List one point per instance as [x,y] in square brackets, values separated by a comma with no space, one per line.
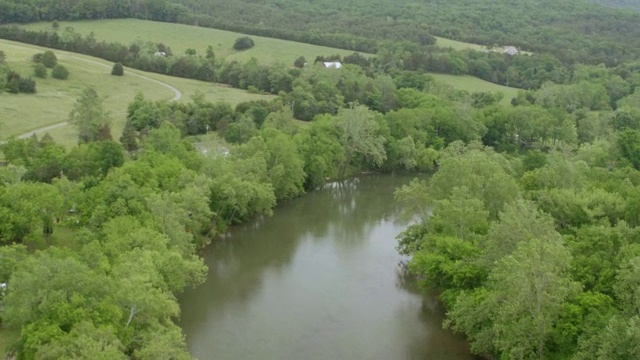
[178,93]
[177,96]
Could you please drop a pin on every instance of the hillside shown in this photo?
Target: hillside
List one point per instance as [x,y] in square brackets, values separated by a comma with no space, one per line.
[54,99]
[182,37]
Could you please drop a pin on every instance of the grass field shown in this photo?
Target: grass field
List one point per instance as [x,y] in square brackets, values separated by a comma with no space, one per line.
[459,45]
[55,98]
[470,83]
[182,37]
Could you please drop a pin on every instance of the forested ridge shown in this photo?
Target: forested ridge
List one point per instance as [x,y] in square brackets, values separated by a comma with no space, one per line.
[528,227]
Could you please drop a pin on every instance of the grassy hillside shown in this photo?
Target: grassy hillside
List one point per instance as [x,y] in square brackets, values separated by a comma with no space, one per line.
[460,45]
[55,98]
[471,84]
[182,37]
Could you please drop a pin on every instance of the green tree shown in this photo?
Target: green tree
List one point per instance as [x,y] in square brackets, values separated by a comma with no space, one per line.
[118,69]
[243,43]
[49,59]
[60,72]
[90,117]
[360,138]
[300,62]
[483,172]
[516,314]
[40,71]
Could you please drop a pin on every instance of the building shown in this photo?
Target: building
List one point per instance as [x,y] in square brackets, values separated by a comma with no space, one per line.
[332,64]
[510,50]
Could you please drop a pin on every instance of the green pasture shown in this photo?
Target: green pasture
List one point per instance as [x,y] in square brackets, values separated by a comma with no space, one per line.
[473,84]
[459,45]
[182,37]
[20,114]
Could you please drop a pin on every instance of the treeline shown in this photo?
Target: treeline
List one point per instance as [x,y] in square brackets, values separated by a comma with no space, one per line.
[20,11]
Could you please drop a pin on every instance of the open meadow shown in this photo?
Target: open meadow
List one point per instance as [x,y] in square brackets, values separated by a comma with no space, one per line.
[473,84]
[20,114]
[459,45]
[182,37]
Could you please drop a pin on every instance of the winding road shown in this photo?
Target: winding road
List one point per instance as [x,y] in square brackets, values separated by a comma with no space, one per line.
[177,96]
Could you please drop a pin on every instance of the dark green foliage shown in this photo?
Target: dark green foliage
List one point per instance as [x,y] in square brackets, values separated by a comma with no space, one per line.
[14,83]
[629,145]
[27,86]
[49,59]
[60,72]
[40,71]
[37,58]
[118,69]
[243,43]
[300,62]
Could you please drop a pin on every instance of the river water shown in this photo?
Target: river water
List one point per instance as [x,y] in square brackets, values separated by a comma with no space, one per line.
[320,279]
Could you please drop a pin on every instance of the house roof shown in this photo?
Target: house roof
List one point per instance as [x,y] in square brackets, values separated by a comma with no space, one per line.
[510,50]
[332,64]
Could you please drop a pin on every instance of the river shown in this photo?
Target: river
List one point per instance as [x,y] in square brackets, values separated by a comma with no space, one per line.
[320,279]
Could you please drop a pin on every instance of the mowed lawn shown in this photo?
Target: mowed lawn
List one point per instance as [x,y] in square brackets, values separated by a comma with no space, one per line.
[54,99]
[182,37]
[473,84]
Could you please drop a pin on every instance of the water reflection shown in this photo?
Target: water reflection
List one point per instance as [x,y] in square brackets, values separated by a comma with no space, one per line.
[318,280]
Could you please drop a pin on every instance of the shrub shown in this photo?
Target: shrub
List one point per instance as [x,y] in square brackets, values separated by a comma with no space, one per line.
[27,86]
[40,71]
[49,59]
[243,43]
[37,58]
[117,70]
[299,63]
[60,72]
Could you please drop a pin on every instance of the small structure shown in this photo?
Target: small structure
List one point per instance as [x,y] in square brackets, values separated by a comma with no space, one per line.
[332,64]
[510,50]
[160,54]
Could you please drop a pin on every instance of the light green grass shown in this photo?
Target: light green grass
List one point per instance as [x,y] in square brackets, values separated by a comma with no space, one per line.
[54,99]
[459,45]
[182,37]
[472,84]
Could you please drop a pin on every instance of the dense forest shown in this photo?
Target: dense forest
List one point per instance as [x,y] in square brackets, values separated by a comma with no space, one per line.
[528,228]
